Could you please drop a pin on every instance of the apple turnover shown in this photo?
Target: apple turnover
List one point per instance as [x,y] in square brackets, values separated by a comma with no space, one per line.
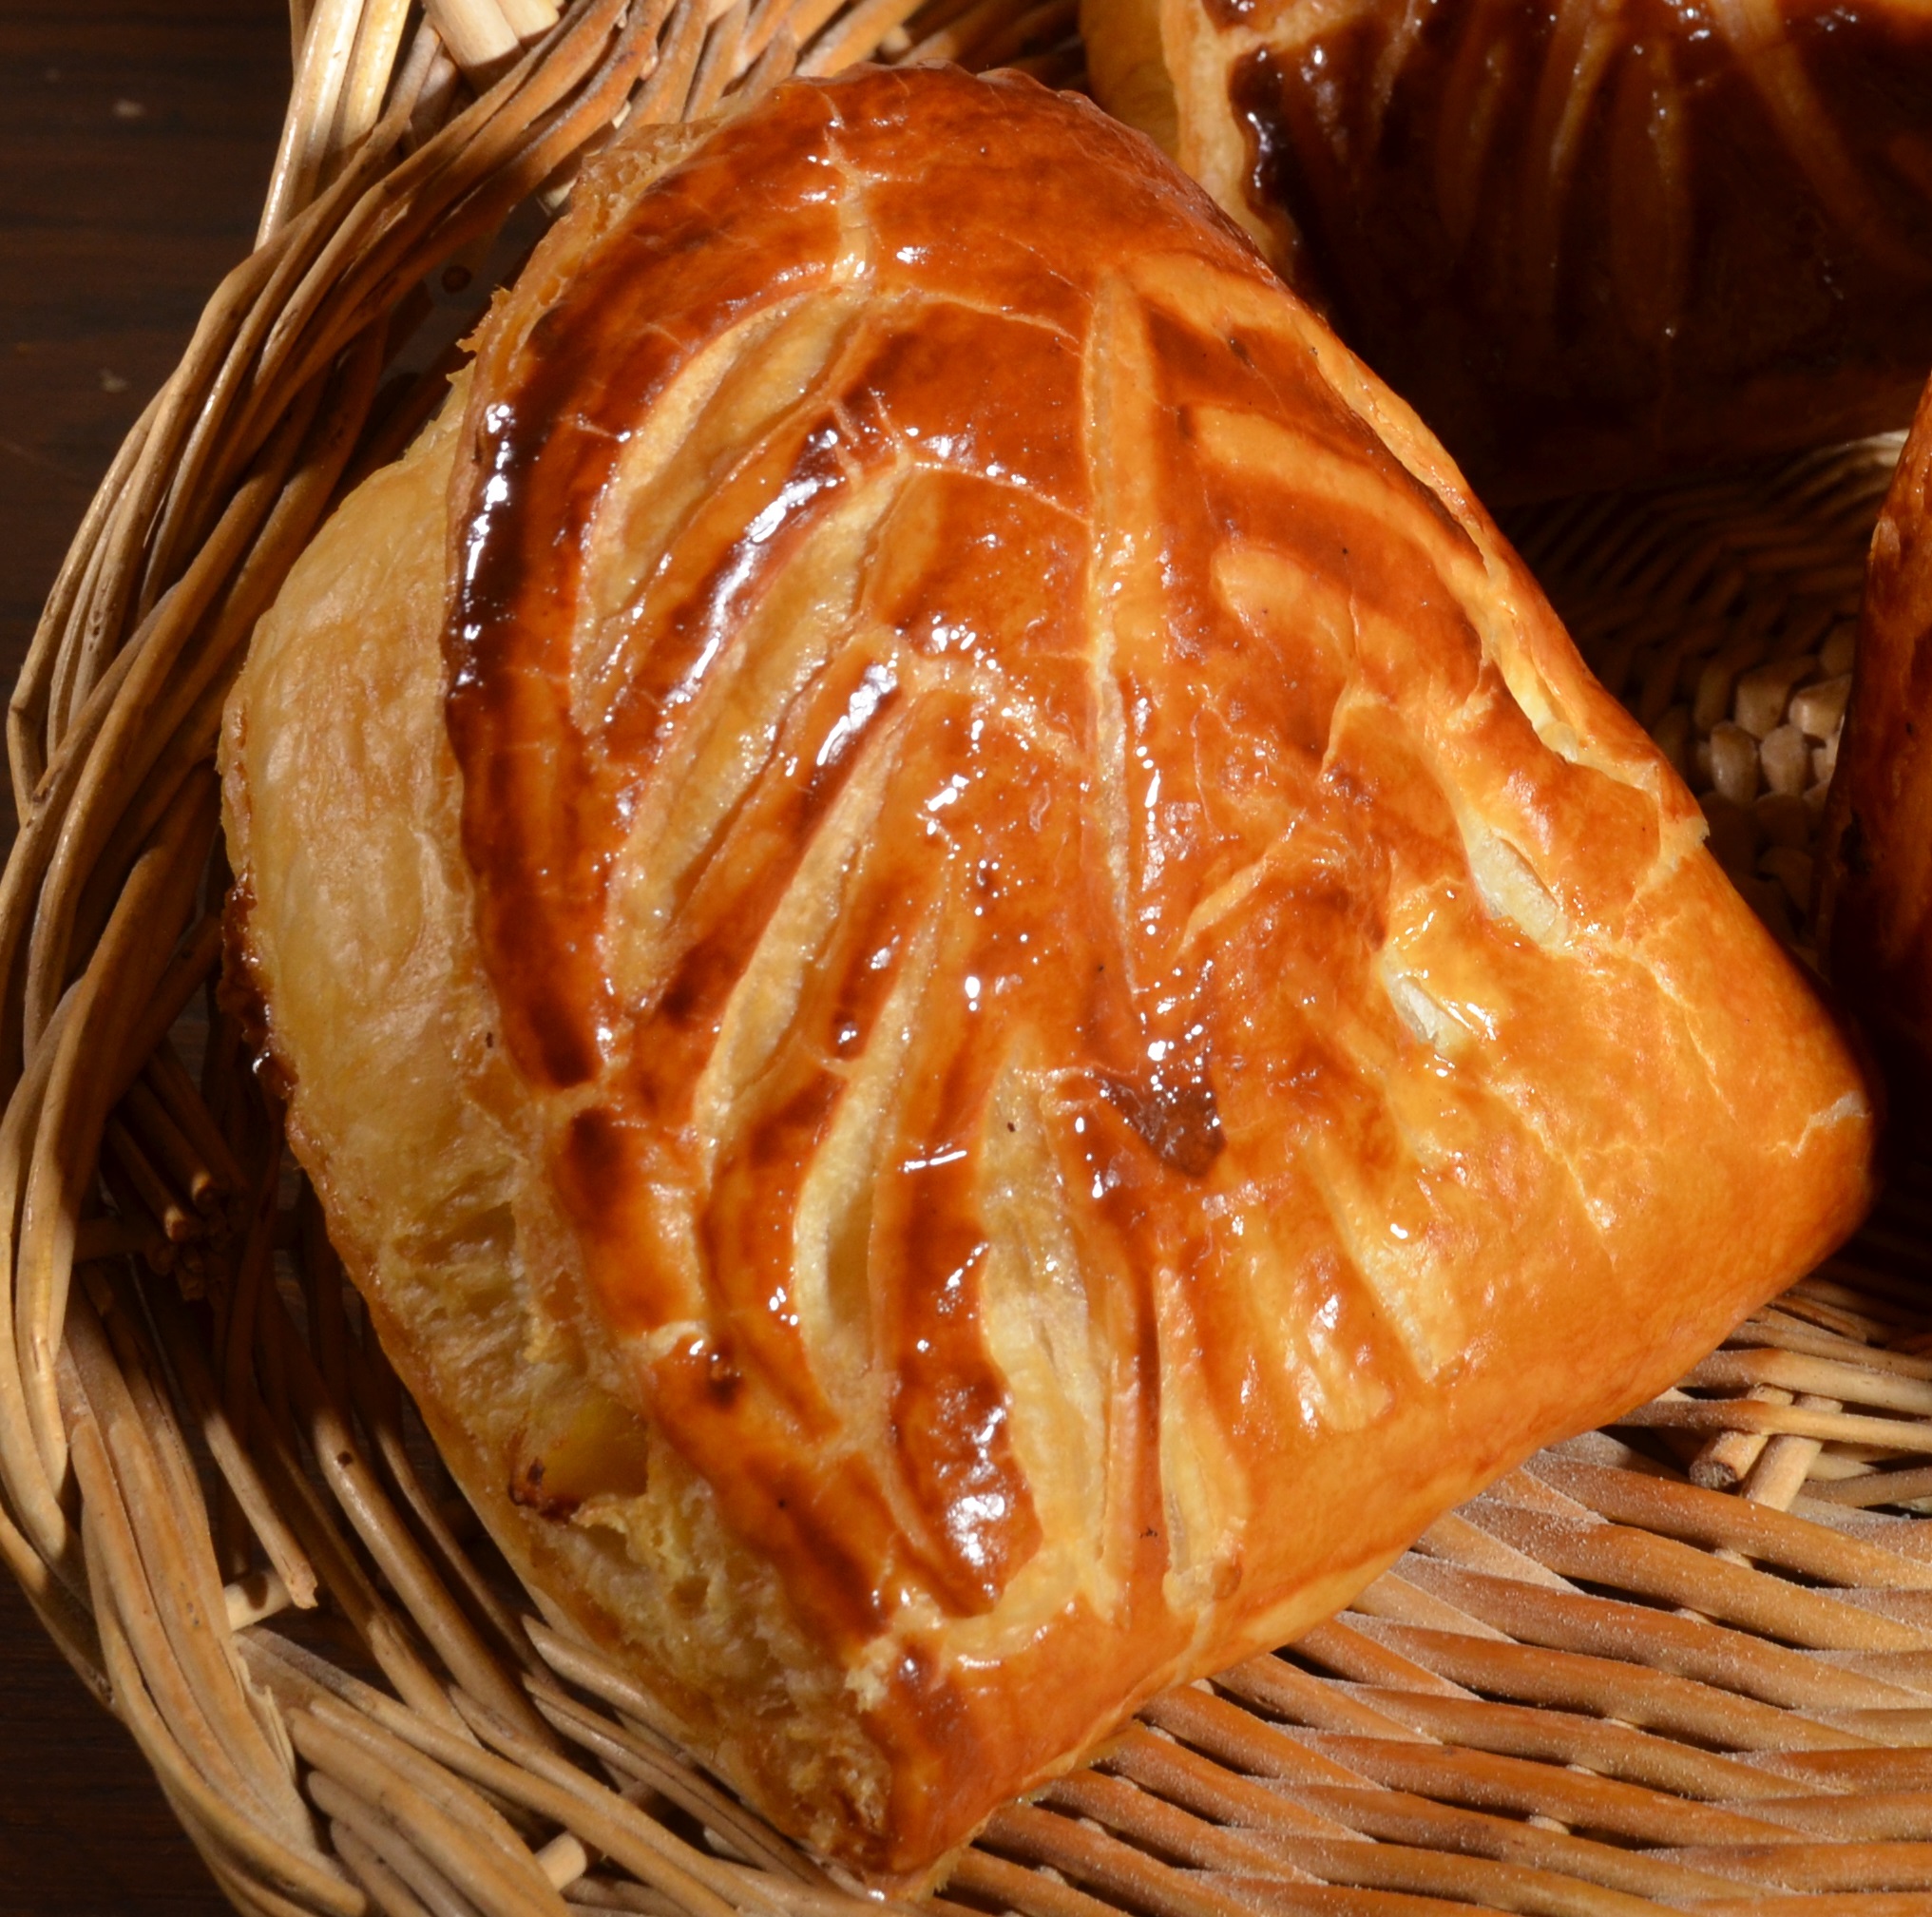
[975,986]
[1589,242]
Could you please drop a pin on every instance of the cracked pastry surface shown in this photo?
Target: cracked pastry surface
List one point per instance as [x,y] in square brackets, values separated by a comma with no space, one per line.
[1590,242]
[975,985]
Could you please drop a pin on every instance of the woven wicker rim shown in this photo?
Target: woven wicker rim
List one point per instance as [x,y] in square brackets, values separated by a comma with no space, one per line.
[1685,1665]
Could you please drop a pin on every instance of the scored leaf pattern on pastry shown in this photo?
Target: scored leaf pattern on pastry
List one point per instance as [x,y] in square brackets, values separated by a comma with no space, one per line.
[1005,831]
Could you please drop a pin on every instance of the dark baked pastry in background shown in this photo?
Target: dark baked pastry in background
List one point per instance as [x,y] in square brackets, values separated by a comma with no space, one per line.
[1875,881]
[975,985]
[1591,243]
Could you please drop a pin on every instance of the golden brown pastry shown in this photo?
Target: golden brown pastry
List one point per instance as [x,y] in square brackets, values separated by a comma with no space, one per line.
[975,985]
[1875,885]
[1589,241]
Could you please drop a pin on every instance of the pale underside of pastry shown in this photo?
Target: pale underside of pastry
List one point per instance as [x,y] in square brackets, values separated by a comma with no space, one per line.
[976,987]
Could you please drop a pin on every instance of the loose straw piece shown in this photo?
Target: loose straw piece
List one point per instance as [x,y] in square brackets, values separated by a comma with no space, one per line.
[1725,1459]
[1779,1475]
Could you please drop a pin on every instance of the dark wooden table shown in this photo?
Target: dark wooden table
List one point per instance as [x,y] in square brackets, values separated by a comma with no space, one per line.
[136,138]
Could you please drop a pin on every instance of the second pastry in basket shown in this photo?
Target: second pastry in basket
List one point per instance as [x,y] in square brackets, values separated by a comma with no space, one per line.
[972,979]
[1591,242]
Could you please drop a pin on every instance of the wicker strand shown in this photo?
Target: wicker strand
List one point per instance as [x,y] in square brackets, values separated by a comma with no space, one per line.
[328,47]
[545,1784]
[228,1447]
[51,848]
[27,706]
[390,1894]
[480,39]
[398,1861]
[348,1771]
[216,1825]
[409,1572]
[351,1590]
[197,1717]
[622,1750]
[118,980]
[145,1453]
[484,1610]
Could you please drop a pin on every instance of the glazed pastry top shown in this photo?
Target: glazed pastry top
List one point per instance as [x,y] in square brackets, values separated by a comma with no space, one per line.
[1110,1018]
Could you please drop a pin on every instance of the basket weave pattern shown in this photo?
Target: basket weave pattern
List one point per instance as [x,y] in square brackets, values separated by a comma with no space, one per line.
[1687,1665]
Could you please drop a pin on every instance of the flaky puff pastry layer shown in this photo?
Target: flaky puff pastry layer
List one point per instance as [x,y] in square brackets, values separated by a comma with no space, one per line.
[976,986]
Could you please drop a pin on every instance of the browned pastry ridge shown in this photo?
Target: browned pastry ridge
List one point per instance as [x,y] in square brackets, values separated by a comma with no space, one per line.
[976,986]
[1589,242]
[1875,867]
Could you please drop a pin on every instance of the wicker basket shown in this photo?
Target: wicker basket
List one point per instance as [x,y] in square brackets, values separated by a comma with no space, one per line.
[1686,1664]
